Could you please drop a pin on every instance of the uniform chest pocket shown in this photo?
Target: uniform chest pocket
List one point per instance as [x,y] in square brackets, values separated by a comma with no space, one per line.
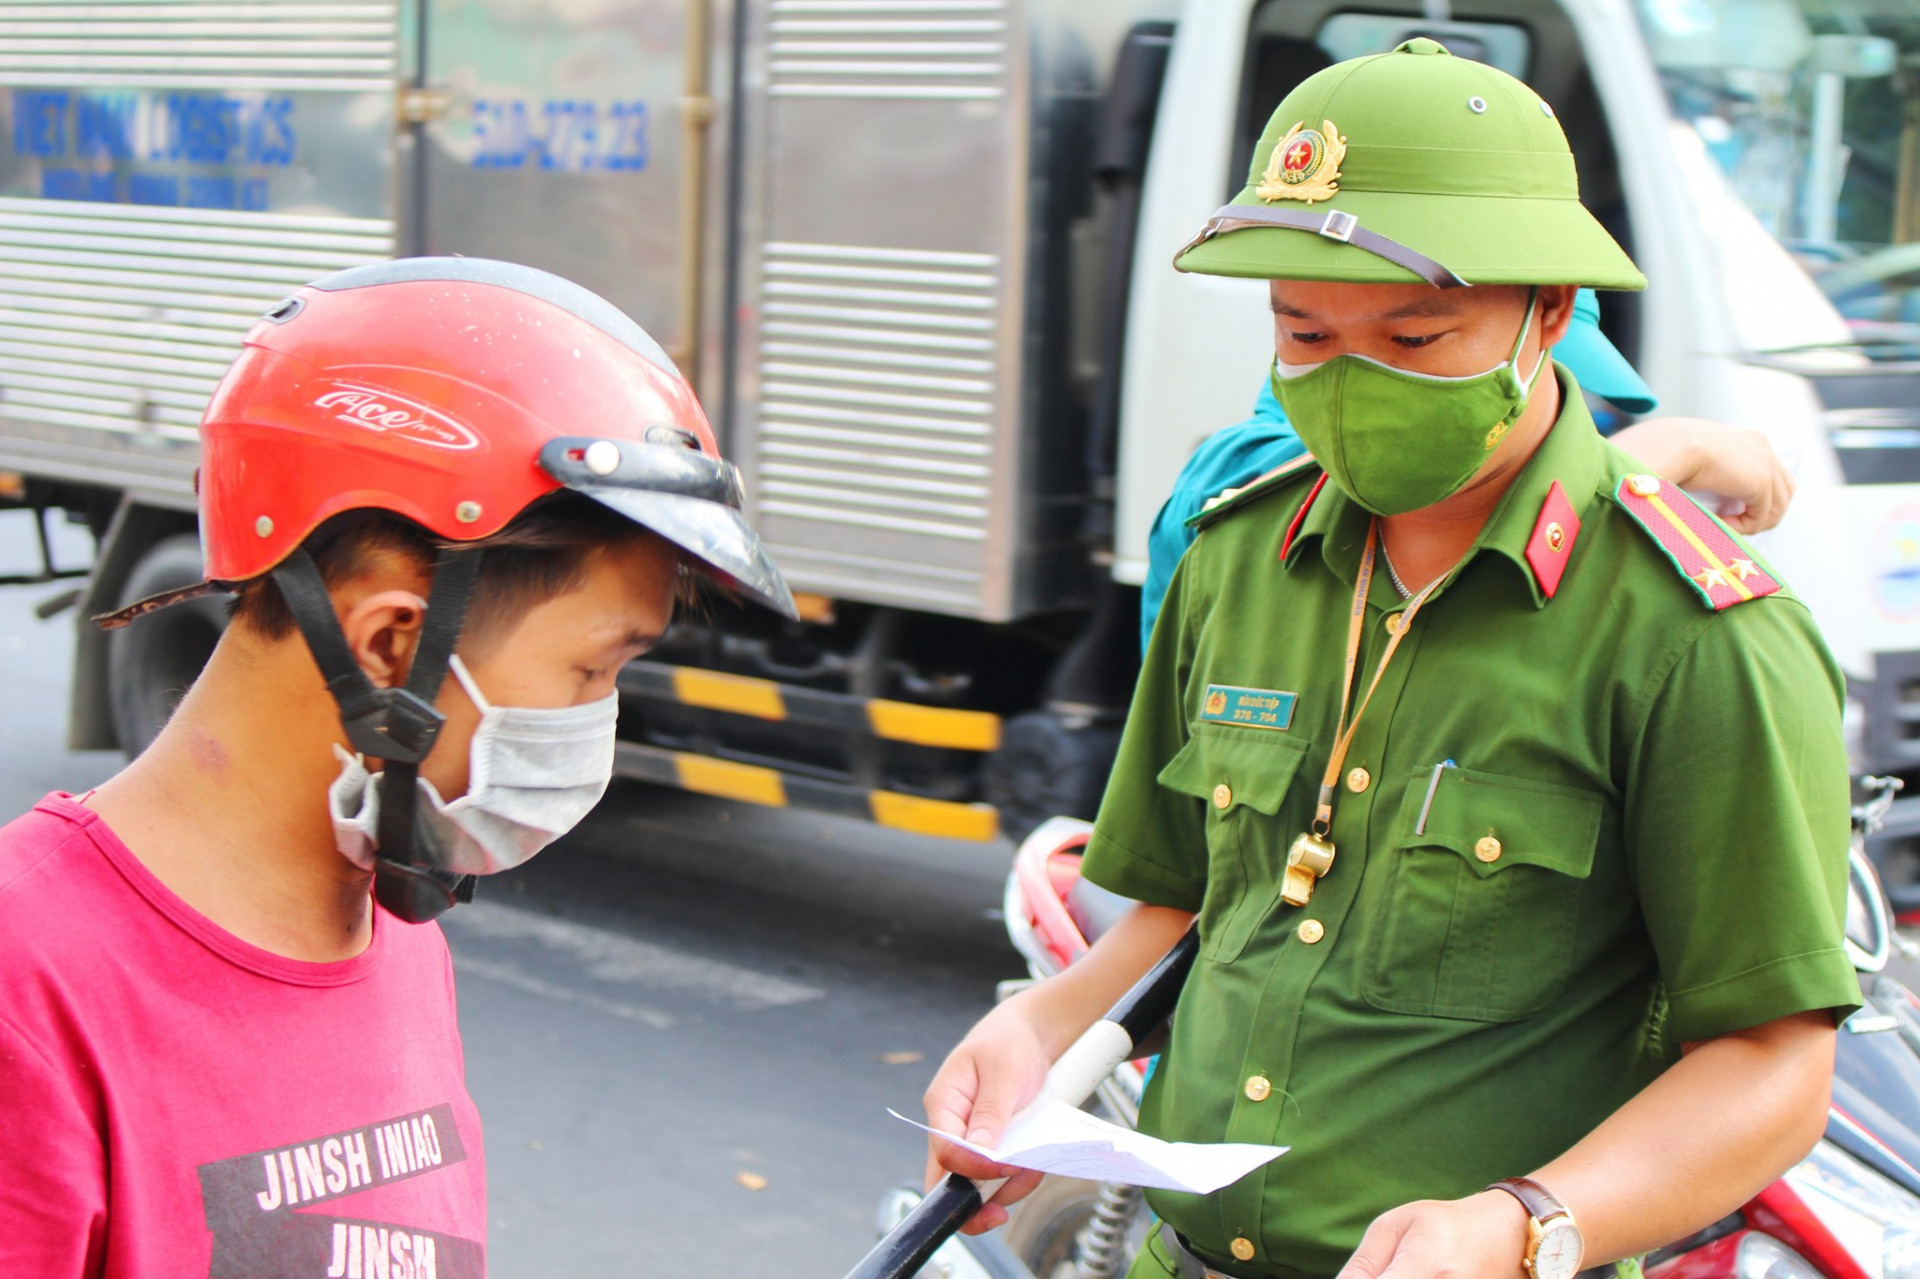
[1243,775]
[1484,899]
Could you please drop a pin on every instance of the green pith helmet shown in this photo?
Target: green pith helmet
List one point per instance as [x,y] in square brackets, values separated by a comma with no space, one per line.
[1407,166]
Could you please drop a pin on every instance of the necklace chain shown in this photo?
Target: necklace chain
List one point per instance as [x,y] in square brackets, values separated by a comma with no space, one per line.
[1392,575]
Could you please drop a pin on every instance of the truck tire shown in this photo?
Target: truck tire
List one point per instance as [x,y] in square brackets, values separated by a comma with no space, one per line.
[151,663]
[1048,766]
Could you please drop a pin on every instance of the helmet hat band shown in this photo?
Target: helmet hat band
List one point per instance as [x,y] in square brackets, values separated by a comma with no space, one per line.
[1334,225]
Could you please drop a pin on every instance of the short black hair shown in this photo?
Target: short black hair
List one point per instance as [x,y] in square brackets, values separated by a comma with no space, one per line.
[542,553]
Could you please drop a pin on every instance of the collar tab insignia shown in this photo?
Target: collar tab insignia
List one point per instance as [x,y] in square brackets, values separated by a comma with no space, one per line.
[1305,165]
[1300,516]
[1718,568]
[1552,542]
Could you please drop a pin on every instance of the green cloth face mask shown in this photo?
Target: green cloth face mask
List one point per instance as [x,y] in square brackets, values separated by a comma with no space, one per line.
[1396,441]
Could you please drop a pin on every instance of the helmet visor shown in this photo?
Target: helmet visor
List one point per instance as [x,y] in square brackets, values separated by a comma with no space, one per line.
[713,533]
[685,496]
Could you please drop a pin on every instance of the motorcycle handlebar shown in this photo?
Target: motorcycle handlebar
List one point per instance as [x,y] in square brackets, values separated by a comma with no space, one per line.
[1091,1058]
[933,1221]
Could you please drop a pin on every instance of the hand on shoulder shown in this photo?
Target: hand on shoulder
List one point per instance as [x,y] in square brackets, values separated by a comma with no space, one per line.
[1738,464]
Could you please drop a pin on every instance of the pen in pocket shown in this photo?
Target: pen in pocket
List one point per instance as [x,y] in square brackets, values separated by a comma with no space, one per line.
[1420,827]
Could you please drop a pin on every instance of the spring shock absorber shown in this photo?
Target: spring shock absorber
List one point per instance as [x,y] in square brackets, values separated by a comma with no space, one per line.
[1102,1243]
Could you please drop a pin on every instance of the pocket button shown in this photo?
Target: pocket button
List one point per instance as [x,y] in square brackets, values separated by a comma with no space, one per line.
[1222,795]
[1488,849]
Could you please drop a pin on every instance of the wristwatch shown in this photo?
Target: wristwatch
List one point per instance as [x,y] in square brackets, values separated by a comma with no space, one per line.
[1555,1245]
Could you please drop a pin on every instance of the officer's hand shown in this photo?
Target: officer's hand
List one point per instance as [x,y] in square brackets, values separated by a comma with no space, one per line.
[997,1069]
[1480,1237]
[1738,464]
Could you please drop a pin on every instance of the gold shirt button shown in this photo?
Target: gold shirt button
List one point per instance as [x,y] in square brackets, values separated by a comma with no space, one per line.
[1642,485]
[1222,795]
[1396,622]
[1259,1088]
[1488,849]
[1311,931]
[1358,780]
[1242,1248]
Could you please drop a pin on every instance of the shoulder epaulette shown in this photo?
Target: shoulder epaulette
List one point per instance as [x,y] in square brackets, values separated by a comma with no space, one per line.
[1715,565]
[1253,490]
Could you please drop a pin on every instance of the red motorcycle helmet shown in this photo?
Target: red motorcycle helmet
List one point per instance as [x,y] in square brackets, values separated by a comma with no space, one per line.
[454,392]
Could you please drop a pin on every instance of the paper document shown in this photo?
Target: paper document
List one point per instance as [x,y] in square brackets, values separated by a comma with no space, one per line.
[1051,1136]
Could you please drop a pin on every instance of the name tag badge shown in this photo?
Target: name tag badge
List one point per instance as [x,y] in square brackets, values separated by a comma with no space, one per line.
[1248,707]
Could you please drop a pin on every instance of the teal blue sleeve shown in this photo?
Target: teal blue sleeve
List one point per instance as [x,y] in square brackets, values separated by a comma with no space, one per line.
[1224,460]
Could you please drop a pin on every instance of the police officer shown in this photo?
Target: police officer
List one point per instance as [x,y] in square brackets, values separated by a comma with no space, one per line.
[1505,783]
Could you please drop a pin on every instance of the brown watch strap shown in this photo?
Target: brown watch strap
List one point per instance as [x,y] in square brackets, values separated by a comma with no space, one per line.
[1534,1197]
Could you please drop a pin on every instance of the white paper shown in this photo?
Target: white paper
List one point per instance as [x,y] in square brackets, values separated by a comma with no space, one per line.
[1051,1136]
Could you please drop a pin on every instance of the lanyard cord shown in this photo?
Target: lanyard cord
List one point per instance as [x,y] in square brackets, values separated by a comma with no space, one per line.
[1356,622]
[1323,811]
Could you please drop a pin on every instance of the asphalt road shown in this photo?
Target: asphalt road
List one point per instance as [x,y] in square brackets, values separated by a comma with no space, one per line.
[683,1024]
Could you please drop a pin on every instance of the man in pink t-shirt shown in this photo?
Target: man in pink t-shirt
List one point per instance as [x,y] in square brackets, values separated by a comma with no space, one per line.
[228,1044]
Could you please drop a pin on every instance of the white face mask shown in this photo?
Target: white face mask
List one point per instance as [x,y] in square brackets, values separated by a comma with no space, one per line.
[533,774]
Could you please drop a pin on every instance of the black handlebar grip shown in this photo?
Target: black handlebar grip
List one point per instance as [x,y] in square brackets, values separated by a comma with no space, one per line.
[936,1219]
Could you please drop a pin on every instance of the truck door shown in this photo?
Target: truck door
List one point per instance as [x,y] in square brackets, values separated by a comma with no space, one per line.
[555,134]
[886,238]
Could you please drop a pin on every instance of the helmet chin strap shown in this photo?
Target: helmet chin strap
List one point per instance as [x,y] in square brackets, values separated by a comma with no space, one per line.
[396,725]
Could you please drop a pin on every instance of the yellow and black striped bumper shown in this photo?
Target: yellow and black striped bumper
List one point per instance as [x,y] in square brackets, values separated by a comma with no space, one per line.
[783,703]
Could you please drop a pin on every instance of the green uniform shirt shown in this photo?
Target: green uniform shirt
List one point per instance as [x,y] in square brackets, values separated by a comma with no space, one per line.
[1667,785]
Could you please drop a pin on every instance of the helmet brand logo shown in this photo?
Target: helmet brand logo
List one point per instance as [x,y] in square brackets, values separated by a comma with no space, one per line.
[1305,165]
[385,413]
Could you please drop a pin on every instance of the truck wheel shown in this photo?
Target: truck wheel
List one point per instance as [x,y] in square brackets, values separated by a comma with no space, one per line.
[1048,767]
[151,663]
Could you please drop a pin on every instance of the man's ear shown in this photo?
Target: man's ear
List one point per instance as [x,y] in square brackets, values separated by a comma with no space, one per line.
[1556,311]
[382,631]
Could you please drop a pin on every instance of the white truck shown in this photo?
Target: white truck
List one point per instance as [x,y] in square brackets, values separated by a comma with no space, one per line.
[915,255]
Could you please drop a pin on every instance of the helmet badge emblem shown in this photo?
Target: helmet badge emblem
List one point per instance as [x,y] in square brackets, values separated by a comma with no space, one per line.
[385,413]
[1305,165]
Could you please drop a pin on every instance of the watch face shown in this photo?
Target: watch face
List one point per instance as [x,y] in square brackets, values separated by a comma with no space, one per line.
[1558,1256]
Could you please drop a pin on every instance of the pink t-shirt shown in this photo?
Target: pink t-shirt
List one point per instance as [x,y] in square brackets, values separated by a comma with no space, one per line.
[175,1102]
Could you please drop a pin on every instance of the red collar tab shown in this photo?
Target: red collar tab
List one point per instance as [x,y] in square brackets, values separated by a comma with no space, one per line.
[1719,569]
[1551,545]
[1286,543]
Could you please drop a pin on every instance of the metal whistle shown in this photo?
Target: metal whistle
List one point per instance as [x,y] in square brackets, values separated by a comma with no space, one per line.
[1310,857]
